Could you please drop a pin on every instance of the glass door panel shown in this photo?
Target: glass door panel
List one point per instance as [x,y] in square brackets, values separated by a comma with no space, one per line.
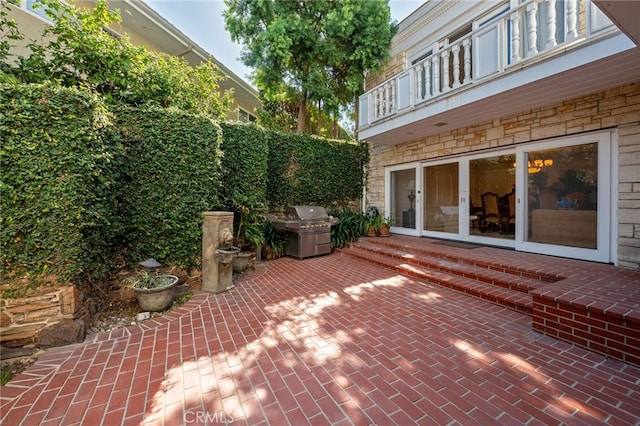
[402,198]
[492,182]
[440,211]
[562,196]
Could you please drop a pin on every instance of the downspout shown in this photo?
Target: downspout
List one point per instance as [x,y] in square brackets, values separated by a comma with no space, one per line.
[363,207]
[188,50]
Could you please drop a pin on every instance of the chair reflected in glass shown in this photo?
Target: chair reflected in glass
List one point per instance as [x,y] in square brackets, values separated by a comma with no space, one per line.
[490,220]
[508,214]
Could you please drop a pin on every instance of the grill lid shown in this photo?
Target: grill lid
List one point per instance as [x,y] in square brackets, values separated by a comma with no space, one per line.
[306,213]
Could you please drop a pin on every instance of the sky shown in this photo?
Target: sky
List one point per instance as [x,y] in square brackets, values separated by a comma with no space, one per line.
[202,22]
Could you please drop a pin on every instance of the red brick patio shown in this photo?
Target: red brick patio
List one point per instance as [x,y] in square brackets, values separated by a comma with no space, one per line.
[330,340]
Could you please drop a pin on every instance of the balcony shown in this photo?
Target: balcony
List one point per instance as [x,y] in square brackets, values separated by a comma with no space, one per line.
[537,53]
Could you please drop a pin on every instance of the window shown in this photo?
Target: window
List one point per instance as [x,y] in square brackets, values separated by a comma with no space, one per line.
[245,117]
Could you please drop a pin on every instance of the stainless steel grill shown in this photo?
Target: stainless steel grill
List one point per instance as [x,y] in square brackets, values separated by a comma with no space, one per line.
[308,230]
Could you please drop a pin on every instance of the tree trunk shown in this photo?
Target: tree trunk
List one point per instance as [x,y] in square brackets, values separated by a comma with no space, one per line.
[336,128]
[302,114]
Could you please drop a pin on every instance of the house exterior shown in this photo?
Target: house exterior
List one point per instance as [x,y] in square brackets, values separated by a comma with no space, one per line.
[511,123]
[146,27]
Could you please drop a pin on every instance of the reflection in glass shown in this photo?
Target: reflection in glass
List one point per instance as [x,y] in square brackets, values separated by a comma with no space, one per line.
[441,198]
[403,195]
[562,197]
[492,197]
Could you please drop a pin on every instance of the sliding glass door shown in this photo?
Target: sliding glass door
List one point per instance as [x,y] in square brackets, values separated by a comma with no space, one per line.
[566,197]
[402,195]
[550,197]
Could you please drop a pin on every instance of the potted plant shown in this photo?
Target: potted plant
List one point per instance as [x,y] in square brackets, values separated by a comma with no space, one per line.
[153,290]
[373,225]
[385,226]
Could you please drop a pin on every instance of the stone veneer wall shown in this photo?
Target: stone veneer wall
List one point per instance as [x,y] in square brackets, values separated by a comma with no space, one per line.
[48,316]
[393,67]
[22,318]
[617,108]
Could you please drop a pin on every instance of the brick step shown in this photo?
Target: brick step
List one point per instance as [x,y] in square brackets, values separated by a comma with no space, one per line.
[396,260]
[506,265]
[453,266]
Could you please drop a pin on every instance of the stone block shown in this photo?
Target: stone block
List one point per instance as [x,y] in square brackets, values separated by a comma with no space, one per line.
[5,320]
[625,231]
[548,131]
[65,332]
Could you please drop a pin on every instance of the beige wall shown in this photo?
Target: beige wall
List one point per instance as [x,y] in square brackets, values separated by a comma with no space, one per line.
[617,109]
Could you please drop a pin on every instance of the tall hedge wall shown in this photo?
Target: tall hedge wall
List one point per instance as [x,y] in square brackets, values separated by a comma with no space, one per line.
[58,174]
[244,165]
[170,174]
[305,169]
[81,186]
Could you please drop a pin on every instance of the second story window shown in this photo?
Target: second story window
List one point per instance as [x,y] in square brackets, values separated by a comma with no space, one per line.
[246,117]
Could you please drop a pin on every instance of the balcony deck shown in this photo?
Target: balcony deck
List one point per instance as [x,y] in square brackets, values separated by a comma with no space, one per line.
[506,66]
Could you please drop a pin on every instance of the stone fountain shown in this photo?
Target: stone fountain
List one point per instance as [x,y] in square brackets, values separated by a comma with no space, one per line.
[218,253]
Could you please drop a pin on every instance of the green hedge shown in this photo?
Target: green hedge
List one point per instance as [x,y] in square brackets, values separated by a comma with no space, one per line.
[58,173]
[170,175]
[305,169]
[83,188]
[244,165]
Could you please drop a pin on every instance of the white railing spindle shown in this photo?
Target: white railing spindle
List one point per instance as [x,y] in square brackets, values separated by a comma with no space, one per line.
[532,28]
[515,37]
[427,79]
[551,24]
[467,59]
[445,70]
[571,19]
[436,74]
[419,81]
[456,65]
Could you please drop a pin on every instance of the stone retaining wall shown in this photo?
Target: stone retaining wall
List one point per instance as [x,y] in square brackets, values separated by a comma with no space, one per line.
[46,317]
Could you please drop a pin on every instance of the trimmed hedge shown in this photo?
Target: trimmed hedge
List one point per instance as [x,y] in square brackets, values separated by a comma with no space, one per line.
[83,189]
[58,175]
[309,170]
[170,175]
[244,165]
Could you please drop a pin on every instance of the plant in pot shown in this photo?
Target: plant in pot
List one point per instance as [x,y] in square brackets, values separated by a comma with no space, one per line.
[153,290]
[385,226]
[373,225]
[249,234]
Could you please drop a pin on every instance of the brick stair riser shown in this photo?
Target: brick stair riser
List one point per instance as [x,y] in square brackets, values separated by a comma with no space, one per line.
[533,275]
[521,306]
[504,283]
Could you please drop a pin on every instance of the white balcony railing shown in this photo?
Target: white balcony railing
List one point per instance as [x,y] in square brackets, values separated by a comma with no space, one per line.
[533,29]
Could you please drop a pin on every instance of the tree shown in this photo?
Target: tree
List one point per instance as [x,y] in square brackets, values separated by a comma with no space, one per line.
[311,50]
[80,52]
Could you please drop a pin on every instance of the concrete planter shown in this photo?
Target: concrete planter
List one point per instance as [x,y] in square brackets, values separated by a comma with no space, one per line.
[156,299]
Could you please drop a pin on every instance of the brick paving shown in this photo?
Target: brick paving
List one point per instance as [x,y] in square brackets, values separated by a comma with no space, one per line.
[331,340]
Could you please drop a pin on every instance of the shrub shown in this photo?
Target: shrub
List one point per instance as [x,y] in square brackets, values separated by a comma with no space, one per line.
[58,174]
[170,175]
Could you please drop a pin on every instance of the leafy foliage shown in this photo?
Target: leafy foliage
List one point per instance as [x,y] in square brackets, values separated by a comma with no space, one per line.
[8,32]
[58,173]
[148,280]
[351,227]
[311,50]
[171,174]
[83,188]
[309,170]
[244,165]
[79,52]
